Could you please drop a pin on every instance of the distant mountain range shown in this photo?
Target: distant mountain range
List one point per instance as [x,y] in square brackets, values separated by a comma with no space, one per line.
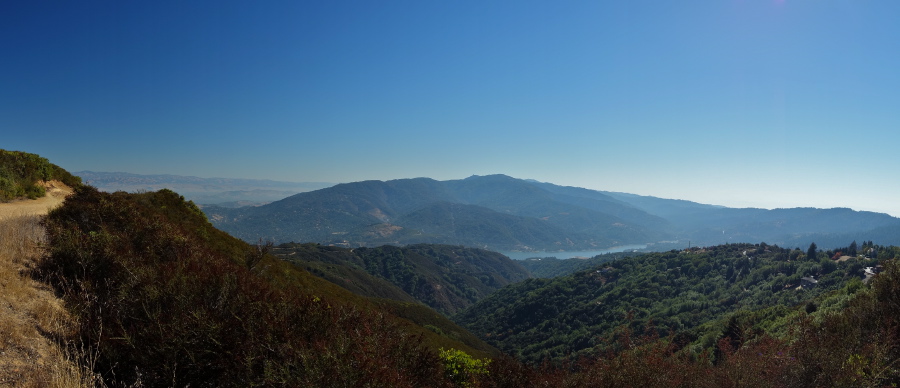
[503,213]
[496,212]
[220,191]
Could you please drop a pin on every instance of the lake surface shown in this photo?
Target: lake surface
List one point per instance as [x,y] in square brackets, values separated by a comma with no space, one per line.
[571,254]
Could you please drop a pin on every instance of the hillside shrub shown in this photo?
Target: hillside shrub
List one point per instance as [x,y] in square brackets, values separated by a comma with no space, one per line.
[161,306]
[461,368]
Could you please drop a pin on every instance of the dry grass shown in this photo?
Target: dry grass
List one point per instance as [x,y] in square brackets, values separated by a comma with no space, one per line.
[30,314]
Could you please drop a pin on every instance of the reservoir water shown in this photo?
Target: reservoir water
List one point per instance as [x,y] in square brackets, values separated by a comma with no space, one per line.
[572,254]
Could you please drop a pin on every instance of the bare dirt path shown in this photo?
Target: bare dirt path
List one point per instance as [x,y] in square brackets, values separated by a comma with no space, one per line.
[56,194]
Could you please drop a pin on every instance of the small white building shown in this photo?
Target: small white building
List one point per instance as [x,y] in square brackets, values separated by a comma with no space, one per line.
[808,282]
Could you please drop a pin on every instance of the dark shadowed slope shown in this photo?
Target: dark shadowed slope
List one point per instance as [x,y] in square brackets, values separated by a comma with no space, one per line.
[446,278]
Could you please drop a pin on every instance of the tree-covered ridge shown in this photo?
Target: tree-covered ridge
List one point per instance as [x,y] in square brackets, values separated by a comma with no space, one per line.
[21,175]
[551,267]
[444,277]
[851,340]
[683,292]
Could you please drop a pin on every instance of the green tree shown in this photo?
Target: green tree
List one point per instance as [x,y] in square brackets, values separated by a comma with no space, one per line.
[811,252]
[461,368]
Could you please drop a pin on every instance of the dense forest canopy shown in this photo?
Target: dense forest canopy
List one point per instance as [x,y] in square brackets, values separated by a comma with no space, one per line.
[551,267]
[690,293]
[447,278]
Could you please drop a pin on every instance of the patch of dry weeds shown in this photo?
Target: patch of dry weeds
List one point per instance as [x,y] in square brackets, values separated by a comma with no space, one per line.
[31,316]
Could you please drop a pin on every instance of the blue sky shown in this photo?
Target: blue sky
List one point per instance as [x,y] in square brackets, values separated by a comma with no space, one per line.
[736,102]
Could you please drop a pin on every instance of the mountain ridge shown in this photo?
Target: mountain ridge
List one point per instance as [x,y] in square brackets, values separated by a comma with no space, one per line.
[503,213]
[524,216]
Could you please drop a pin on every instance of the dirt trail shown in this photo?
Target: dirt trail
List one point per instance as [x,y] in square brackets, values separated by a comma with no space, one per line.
[29,310]
[56,194]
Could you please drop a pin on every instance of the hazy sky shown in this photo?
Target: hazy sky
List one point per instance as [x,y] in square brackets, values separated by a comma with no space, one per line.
[735,102]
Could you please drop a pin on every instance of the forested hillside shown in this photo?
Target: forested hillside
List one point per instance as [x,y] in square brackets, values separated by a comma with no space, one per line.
[446,278]
[689,293]
[551,267]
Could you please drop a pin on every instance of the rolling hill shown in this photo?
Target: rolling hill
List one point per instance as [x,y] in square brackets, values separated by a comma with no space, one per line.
[495,212]
[795,227]
[502,213]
